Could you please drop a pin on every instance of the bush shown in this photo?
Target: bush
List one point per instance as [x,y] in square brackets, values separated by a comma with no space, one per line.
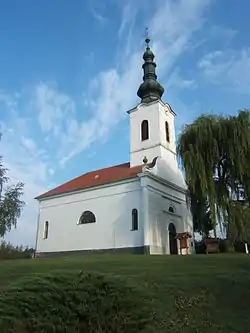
[240,247]
[9,251]
[224,246]
[200,247]
[72,303]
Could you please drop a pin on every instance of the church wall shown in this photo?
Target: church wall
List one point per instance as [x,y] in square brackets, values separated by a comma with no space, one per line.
[112,206]
[159,220]
[167,115]
[160,198]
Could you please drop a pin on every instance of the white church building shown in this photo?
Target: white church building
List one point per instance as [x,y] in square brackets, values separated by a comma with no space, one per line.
[135,207]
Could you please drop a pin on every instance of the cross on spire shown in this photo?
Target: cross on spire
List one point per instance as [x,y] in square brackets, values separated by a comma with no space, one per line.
[147,39]
[150,90]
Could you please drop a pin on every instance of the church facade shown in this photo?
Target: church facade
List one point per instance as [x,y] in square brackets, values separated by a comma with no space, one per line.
[137,207]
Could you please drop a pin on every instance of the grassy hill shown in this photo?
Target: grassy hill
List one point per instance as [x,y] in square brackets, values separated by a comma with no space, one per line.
[185,294]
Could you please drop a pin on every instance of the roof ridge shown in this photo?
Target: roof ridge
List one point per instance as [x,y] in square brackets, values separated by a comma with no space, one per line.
[94,171]
[106,175]
[108,167]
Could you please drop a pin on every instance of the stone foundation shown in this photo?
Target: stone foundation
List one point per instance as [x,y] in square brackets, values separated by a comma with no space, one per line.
[124,250]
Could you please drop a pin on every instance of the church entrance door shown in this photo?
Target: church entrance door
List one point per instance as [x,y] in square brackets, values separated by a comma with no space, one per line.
[173,249]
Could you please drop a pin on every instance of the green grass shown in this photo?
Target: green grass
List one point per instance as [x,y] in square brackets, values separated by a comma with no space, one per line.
[185,294]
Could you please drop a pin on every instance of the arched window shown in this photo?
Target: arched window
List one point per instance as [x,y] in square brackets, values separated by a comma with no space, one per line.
[144,130]
[134,219]
[87,217]
[167,131]
[171,209]
[46,230]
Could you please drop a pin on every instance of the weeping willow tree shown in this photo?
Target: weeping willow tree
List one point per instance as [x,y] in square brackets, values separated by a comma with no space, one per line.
[215,154]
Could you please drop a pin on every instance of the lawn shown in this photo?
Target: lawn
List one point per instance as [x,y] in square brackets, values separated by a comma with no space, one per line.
[186,294]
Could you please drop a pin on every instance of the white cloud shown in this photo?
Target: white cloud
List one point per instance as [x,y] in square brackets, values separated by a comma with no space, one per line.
[113,91]
[177,82]
[97,9]
[98,16]
[52,106]
[172,27]
[222,34]
[218,35]
[26,163]
[228,68]
[51,171]
[126,12]
[7,100]
[28,143]
[32,172]
[126,31]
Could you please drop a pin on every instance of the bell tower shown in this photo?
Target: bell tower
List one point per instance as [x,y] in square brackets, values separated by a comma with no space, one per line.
[152,132]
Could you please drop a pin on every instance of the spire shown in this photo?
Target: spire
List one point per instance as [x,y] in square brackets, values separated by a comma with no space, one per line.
[150,90]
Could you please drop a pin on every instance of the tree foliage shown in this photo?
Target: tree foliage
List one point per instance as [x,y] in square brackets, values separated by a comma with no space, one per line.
[9,251]
[10,201]
[215,153]
[238,228]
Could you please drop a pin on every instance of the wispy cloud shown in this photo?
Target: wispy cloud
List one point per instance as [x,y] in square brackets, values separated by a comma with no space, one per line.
[126,32]
[26,161]
[116,87]
[222,34]
[173,29]
[28,144]
[98,16]
[97,10]
[229,68]
[113,91]
[24,165]
[52,106]
[176,82]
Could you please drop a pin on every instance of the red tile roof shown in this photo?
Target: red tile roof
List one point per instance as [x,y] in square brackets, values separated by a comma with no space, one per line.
[95,178]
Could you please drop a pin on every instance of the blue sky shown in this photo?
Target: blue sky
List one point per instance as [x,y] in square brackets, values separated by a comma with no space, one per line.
[71,69]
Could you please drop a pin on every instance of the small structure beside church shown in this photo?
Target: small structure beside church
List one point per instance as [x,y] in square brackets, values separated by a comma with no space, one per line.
[183,238]
[137,207]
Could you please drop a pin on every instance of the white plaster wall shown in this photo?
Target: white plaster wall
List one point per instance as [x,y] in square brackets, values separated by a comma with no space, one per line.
[156,113]
[171,173]
[160,197]
[166,115]
[112,206]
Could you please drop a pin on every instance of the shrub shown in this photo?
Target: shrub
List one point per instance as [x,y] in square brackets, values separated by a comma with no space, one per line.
[240,247]
[224,246]
[9,251]
[88,303]
[200,247]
